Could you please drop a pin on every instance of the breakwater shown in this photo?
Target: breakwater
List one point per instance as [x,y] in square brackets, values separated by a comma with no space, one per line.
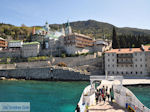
[45,73]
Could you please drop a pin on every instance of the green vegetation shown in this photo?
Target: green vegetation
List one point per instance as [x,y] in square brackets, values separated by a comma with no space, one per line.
[29,43]
[130,41]
[147,45]
[63,55]
[15,41]
[90,28]
[5,61]
[15,32]
[40,58]
[98,29]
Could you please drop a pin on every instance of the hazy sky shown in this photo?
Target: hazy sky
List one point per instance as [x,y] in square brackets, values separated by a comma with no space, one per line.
[121,13]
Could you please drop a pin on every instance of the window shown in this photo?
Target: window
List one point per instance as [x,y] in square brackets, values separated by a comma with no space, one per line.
[131,72]
[145,65]
[141,72]
[135,65]
[136,72]
[140,59]
[108,65]
[108,60]
[141,65]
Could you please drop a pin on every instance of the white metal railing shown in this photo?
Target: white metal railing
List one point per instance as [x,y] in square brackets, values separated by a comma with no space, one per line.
[124,96]
[81,103]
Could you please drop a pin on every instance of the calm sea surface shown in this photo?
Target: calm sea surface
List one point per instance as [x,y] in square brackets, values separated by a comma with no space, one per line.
[43,96]
[142,93]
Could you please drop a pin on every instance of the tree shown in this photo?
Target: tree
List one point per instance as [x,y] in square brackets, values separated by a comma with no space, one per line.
[115,43]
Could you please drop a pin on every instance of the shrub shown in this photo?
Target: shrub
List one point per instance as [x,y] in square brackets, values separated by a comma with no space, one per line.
[73,55]
[41,58]
[77,54]
[63,55]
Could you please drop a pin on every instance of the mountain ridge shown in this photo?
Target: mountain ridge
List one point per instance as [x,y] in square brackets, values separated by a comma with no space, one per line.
[89,27]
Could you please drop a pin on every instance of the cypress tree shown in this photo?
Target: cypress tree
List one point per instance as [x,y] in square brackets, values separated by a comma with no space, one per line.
[114,39]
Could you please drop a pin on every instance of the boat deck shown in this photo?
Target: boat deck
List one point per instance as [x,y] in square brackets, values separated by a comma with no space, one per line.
[106,107]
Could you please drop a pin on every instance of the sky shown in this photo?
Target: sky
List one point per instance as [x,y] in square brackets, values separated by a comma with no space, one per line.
[121,13]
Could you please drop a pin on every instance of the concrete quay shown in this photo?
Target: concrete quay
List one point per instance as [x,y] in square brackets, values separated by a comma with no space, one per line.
[125,82]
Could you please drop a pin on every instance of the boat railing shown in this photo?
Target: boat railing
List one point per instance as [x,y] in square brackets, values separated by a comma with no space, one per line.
[125,97]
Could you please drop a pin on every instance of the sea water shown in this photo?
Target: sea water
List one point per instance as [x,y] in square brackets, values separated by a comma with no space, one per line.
[44,96]
[142,93]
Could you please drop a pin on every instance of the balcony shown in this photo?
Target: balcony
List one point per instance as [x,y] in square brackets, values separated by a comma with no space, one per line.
[124,62]
[124,56]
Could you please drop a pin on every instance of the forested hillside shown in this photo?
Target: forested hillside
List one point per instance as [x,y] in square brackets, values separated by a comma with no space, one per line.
[92,28]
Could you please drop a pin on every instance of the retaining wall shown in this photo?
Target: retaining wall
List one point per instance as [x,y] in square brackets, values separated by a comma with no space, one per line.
[10,54]
[43,74]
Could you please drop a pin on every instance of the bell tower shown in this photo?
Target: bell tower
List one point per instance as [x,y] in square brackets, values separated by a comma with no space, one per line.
[68,29]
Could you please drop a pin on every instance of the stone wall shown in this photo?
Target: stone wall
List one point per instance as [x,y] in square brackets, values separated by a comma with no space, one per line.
[10,54]
[35,64]
[7,66]
[43,74]
[76,61]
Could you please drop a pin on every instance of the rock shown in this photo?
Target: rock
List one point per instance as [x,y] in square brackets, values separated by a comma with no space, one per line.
[2,78]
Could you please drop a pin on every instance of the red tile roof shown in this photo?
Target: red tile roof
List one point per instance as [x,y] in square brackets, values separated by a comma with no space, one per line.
[128,50]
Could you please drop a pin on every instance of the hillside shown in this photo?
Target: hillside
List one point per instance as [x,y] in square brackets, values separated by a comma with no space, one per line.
[98,29]
[91,27]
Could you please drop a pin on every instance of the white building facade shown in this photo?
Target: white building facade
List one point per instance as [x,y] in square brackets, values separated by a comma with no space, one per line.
[78,44]
[30,49]
[127,61]
[101,45]
[15,44]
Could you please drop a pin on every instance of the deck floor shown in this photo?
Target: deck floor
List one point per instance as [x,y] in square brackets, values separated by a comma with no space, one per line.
[106,107]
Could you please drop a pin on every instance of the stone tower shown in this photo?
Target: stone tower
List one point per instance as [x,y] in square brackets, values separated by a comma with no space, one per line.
[62,31]
[47,28]
[33,30]
[68,29]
